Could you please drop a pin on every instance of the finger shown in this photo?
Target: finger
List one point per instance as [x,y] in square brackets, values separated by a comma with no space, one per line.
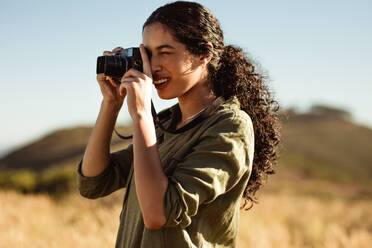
[113,52]
[145,61]
[112,82]
[130,82]
[123,89]
[117,50]
[133,73]
[100,76]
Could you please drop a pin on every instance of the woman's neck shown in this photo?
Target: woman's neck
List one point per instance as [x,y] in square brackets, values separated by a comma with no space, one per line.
[194,102]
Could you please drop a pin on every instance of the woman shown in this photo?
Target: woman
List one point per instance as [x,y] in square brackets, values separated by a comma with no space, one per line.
[184,188]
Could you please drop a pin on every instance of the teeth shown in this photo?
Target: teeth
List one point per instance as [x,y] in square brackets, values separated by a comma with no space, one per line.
[160,81]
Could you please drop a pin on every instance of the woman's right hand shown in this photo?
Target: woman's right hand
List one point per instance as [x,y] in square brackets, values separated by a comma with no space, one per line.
[110,88]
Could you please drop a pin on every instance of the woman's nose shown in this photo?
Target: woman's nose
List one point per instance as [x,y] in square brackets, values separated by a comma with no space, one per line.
[155,65]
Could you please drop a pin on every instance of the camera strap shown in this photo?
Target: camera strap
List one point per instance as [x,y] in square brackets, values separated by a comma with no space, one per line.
[157,123]
[172,129]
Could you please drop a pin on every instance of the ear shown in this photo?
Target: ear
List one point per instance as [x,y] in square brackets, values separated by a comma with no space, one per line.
[204,59]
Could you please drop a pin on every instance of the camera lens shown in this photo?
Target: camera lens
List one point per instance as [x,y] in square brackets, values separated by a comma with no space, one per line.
[112,65]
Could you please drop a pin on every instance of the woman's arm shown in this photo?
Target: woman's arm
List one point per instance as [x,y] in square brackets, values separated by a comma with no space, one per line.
[96,156]
[101,173]
[150,180]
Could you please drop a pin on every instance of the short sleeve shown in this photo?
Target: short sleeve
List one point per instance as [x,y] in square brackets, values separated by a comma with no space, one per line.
[214,166]
[114,177]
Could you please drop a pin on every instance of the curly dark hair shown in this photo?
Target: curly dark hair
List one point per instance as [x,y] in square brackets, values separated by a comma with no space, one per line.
[230,73]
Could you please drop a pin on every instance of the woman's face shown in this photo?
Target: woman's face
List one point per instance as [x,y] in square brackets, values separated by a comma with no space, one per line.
[175,71]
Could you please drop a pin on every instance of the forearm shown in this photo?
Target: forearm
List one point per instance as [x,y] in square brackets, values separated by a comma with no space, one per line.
[96,156]
[151,182]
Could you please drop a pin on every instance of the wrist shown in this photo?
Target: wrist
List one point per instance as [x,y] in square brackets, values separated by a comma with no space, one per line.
[144,130]
[142,117]
[111,106]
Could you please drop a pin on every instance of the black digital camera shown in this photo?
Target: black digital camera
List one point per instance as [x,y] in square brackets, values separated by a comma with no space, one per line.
[116,65]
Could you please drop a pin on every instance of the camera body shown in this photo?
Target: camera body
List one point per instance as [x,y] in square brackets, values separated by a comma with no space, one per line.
[116,65]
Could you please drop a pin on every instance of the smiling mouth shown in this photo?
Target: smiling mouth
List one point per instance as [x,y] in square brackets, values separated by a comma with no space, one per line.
[161,83]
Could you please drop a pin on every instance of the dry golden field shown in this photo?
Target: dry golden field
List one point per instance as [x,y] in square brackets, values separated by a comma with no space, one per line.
[321,196]
[281,219]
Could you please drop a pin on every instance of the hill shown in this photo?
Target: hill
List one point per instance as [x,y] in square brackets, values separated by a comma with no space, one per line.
[53,148]
[325,143]
[322,144]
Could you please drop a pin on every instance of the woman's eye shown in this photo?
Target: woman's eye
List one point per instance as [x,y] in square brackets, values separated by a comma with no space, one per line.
[162,53]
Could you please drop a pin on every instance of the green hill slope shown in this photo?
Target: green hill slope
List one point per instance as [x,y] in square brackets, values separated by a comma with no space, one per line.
[327,147]
[321,144]
[54,148]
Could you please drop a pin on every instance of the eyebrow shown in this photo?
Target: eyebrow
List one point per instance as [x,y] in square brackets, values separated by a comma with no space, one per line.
[159,48]
[165,46]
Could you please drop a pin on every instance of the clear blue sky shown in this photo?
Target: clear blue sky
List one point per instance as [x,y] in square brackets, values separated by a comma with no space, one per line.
[314,51]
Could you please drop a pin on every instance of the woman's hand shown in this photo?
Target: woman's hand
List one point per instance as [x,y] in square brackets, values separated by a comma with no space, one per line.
[150,180]
[110,88]
[138,87]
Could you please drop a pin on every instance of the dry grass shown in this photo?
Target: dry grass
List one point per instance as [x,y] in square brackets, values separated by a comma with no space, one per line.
[295,221]
[39,221]
[279,220]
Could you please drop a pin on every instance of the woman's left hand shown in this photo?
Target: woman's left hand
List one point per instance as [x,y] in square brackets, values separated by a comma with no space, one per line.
[138,88]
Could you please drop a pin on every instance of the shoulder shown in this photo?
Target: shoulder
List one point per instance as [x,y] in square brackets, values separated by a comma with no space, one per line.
[230,119]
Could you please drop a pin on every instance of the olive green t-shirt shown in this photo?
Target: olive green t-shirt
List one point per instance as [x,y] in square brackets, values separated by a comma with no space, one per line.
[208,163]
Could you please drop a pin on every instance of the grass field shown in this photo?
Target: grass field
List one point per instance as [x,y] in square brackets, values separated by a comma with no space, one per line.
[281,219]
[321,196]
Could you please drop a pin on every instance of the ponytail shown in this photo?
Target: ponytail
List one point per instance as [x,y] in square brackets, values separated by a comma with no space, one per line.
[236,76]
